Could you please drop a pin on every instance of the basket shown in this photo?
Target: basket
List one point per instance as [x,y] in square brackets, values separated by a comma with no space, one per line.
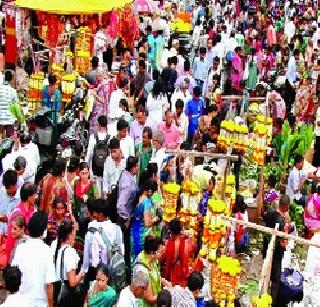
[44,135]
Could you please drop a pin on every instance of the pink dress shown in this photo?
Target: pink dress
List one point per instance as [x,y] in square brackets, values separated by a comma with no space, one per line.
[237,72]
[27,214]
[271,36]
[312,213]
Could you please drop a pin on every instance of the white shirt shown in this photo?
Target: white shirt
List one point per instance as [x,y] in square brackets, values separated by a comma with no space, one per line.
[115,98]
[87,254]
[196,35]
[289,30]
[8,160]
[92,144]
[158,157]
[34,259]
[127,298]
[230,44]
[180,65]
[70,261]
[156,108]
[178,94]
[292,70]
[295,177]
[111,173]
[219,50]
[127,146]
[17,299]
[99,249]
[312,266]
[31,153]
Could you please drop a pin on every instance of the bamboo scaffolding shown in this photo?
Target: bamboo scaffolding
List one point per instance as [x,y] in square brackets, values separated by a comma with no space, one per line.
[271,231]
[267,265]
[241,97]
[193,153]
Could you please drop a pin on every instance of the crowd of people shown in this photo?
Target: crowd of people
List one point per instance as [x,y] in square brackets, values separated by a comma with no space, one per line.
[88,231]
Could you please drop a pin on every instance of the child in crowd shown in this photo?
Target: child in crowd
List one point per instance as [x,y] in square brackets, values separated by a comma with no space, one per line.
[241,231]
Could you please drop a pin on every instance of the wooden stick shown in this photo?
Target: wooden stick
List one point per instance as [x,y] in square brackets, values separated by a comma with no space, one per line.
[202,154]
[267,265]
[271,231]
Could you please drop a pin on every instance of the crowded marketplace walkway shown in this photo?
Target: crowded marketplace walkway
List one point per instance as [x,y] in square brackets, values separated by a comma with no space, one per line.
[160,153]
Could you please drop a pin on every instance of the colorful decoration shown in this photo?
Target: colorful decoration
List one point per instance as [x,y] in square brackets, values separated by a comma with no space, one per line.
[233,133]
[129,26]
[68,87]
[181,26]
[170,197]
[260,146]
[225,280]
[35,91]
[189,208]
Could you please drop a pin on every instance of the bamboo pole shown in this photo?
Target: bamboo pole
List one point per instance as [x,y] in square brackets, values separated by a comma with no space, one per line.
[271,231]
[193,153]
[240,97]
[267,264]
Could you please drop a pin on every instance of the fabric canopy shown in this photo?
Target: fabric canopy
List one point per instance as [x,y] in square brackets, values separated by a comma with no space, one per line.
[72,7]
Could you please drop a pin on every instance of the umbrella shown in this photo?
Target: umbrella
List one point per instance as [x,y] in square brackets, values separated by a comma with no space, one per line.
[144,6]
[72,7]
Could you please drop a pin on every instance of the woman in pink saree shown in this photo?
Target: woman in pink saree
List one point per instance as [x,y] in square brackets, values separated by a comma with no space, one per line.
[312,214]
[237,68]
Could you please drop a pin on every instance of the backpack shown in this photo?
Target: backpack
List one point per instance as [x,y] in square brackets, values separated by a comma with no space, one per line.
[117,269]
[100,153]
[114,259]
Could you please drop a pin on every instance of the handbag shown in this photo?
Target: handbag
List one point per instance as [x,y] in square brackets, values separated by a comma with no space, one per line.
[66,295]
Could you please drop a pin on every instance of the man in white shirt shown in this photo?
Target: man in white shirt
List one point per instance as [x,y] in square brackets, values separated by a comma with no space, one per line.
[159,152]
[113,167]
[182,92]
[292,74]
[219,50]
[95,249]
[200,68]
[102,135]
[196,34]
[12,278]
[35,261]
[185,296]
[230,43]
[289,30]
[115,98]
[30,152]
[126,141]
[209,53]
[296,180]
[139,284]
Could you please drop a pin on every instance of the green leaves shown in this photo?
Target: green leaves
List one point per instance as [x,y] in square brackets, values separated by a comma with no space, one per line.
[296,143]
